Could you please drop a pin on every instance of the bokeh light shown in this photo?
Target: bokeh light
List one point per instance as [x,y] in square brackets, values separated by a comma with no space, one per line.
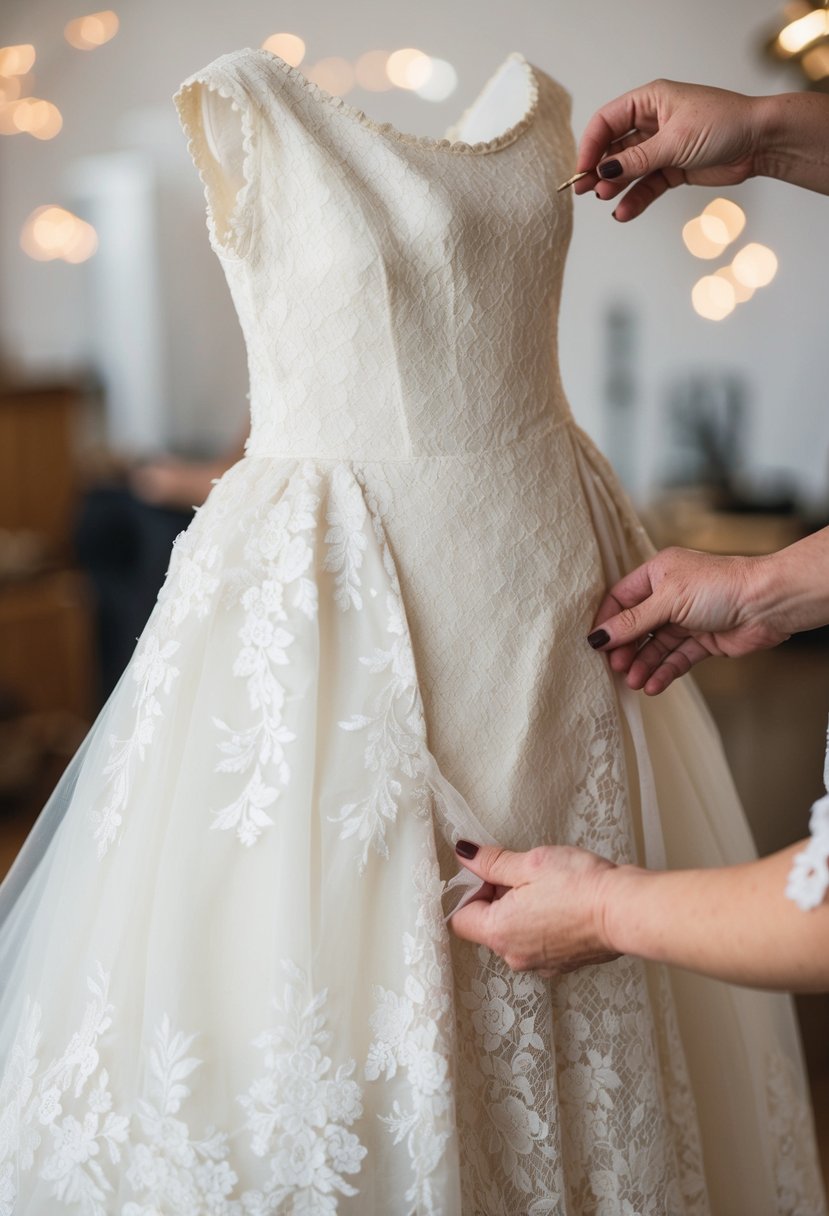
[742,294]
[441,83]
[334,74]
[755,265]
[729,214]
[370,71]
[92,30]
[289,47]
[16,60]
[713,297]
[705,236]
[53,232]
[797,35]
[409,68]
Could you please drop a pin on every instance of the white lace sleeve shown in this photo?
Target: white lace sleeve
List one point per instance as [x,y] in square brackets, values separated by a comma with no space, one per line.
[809,876]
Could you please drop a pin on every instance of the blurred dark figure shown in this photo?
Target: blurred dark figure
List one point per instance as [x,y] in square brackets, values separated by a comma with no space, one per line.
[123,534]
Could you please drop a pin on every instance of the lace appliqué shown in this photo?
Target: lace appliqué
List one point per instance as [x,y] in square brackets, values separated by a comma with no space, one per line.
[189,588]
[808,879]
[171,1170]
[393,719]
[300,1110]
[32,1106]
[798,1185]
[412,1032]
[278,553]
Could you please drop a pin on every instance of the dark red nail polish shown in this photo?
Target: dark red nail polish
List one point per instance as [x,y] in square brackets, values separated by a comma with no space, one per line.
[465,848]
[599,638]
[611,168]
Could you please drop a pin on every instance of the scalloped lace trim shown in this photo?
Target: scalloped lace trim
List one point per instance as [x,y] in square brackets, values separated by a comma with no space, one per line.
[235,232]
[319,94]
[808,879]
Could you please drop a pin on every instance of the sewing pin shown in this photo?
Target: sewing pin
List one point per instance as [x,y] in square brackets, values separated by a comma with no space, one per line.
[572,180]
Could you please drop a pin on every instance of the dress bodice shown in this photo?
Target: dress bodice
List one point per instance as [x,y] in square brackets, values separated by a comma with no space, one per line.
[398,294]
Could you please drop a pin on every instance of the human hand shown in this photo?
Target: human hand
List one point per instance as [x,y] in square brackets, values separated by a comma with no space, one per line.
[694,605]
[541,911]
[667,134]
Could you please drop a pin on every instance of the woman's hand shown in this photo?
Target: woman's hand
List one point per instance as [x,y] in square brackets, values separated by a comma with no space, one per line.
[667,134]
[686,606]
[563,908]
[543,910]
[683,134]
[693,605]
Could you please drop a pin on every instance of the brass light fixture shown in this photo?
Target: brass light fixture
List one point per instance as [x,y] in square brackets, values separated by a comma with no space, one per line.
[802,40]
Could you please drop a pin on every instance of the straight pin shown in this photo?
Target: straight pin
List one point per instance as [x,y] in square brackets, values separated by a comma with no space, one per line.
[572,180]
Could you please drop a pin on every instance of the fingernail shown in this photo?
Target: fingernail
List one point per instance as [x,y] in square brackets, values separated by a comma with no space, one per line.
[614,215]
[466,849]
[598,638]
[610,168]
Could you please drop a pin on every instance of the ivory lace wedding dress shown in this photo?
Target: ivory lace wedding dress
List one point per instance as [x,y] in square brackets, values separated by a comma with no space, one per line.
[229,988]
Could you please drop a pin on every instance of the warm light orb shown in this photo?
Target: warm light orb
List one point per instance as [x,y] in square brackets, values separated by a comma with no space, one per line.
[92,30]
[334,74]
[409,68]
[705,236]
[755,265]
[53,232]
[16,60]
[37,117]
[370,71]
[728,214]
[742,294]
[442,81]
[289,47]
[713,297]
[797,35]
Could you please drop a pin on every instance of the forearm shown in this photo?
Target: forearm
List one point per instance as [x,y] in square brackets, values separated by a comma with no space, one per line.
[790,588]
[733,923]
[794,139]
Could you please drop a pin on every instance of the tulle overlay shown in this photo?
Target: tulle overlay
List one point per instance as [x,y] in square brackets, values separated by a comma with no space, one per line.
[230,986]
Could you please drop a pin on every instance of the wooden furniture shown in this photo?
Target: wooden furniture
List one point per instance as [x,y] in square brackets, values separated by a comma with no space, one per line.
[47,658]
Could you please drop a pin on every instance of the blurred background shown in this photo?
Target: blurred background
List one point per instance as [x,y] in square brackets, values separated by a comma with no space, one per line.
[690,339]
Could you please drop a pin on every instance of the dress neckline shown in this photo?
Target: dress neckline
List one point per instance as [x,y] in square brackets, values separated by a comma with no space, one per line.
[445,144]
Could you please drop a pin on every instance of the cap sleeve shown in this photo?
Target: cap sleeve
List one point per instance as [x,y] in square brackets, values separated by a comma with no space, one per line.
[220,121]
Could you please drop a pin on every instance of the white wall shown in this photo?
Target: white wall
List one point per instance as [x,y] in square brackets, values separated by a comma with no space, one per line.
[120,96]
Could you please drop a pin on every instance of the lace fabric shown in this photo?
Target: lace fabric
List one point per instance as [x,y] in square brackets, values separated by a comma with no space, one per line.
[229,985]
[808,879]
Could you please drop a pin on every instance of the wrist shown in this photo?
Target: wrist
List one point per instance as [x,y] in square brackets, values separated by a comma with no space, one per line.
[790,139]
[618,892]
[789,587]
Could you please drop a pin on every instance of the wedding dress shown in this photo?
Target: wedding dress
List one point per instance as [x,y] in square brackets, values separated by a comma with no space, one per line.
[228,983]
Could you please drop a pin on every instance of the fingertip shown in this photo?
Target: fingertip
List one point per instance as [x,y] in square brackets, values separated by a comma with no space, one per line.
[610,170]
[466,850]
[598,638]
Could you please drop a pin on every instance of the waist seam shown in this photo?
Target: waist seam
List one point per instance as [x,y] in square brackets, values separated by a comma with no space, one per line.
[504,449]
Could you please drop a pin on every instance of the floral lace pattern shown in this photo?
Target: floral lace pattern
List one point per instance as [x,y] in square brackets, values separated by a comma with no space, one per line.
[413,1032]
[278,1021]
[797,1180]
[278,555]
[808,879]
[299,1112]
